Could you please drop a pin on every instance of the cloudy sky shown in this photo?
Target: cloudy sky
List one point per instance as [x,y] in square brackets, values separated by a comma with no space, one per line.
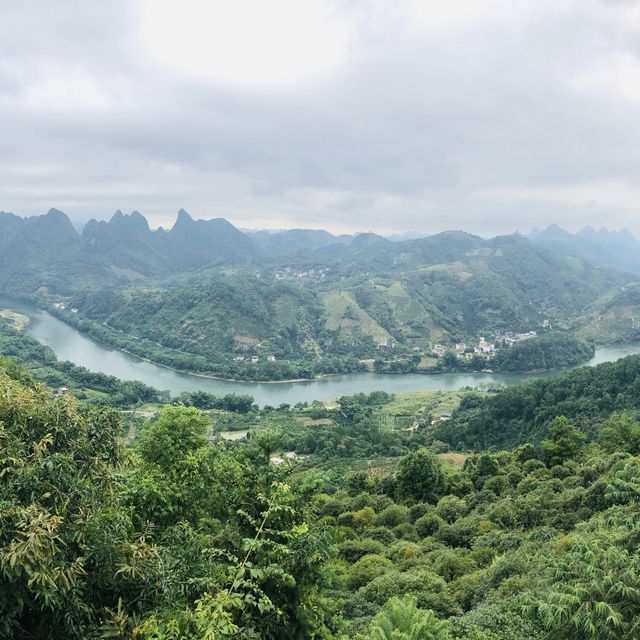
[483,115]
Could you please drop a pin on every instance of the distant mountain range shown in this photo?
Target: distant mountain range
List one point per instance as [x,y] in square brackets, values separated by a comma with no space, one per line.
[126,247]
[127,242]
[617,250]
[48,247]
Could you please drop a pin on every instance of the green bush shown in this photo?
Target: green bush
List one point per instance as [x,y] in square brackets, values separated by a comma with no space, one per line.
[428,524]
[393,515]
[366,569]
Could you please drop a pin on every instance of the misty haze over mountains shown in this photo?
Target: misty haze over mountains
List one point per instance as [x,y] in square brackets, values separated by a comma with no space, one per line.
[617,250]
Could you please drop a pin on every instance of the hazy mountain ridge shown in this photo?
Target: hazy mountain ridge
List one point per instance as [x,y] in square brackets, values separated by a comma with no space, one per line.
[127,243]
[295,241]
[617,250]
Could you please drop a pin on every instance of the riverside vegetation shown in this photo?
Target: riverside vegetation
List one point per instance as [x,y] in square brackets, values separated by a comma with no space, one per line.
[516,519]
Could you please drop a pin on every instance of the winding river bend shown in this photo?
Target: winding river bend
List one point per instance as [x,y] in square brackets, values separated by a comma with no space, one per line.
[70,344]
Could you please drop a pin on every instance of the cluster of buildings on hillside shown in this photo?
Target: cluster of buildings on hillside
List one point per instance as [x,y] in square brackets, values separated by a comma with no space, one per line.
[289,273]
[254,359]
[483,349]
[62,306]
[462,350]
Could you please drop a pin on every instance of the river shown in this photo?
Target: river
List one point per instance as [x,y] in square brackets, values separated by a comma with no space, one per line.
[69,344]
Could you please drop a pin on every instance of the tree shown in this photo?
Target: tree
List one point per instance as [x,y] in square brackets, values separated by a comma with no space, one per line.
[449,361]
[366,569]
[177,432]
[68,546]
[482,467]
[593,592]
[355,408]
[400,619]
[420,476]
[620,433]
[450,508]
[565,442]
[179,475]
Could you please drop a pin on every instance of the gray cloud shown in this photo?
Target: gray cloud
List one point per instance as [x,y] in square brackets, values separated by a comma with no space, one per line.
[491,119]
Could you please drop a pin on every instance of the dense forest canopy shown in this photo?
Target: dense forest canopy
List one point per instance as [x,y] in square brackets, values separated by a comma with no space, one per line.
[519,414]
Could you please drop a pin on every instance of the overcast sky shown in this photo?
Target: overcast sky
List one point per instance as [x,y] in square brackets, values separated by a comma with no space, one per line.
[483,115]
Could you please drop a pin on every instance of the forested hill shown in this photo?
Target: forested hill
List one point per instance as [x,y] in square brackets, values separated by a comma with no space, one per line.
[370,300]
[47,250]
[586,396]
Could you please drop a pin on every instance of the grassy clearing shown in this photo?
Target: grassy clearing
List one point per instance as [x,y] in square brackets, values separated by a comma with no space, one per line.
[18,320]
[456,459]
[417,403]
[343,312]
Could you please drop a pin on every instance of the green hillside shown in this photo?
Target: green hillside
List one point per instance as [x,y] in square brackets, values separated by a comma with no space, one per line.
[322,313]
[344,315]
[615,317]
[586,396]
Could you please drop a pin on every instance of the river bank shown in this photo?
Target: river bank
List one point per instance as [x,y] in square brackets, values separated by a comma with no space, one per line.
[69,344]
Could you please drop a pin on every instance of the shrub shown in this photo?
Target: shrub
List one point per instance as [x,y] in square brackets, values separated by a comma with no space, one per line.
[428,524]
[353,550]
[406,531]
[381,534]
[450,508]
[418,510]
[393,516]
[364,518]
[366,569]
